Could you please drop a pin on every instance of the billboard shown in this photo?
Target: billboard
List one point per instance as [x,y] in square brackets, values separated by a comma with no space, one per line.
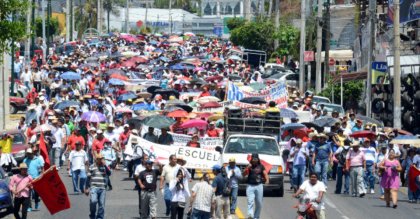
[409,11]
[379,73]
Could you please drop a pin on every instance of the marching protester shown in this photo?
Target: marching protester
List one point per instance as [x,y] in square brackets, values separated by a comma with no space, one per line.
[256,175]
[6,159]
[202,198]
[369,174]
[165,178]
[140,168]
[234,174]
[111,160]
[355,164]
[35,164]
[322,158]
[147,181]
[341,154]
[96,187]
[180,193]
[77,163]
[299,154]
[390,178]
[20,186]
[222,189]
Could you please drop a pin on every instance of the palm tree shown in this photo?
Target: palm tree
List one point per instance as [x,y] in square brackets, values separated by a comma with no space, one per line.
[87,16]
[110,6]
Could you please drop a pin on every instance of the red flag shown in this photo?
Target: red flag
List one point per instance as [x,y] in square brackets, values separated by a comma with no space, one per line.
[52,191]
[44,152]
[266,165]
[412,174]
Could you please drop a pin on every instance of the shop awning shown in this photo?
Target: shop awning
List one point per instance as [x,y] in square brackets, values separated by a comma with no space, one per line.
[339,55]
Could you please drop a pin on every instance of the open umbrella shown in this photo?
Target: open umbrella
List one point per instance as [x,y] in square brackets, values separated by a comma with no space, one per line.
[235,57]
[234,77]
[198,81]
[70,76]
[168,92]
[366,119]
[253,100]
[214,78]
[67,103]
[363,134]
[43,128]
[184,107]
[123,110]
[174,102]
[210,105]
[194,123]
[177,114]
[139,106]
[312,125]
[139,59]
[292,126]
[115,71]
[288,113]
[136,121]
[406,139]
[325,121]
[144,94]
[158,121]
[62,69]
[93,116]
[127,96]
[120,77]
[152,89]
[257,86]
[208,99]
[115,81]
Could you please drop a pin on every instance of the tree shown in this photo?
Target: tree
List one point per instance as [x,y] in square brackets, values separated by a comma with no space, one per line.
[110,6]
[86,15]
[288,37]
[53,26]
[352,92]
[233,23]
[11,29]
[256,35]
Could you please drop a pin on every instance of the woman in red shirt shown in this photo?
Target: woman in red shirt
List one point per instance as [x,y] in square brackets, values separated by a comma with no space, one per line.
[194,142]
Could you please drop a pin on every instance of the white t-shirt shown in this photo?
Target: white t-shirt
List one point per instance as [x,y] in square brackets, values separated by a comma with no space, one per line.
[416,160]
[59,135]
[312,192]
[78,159]
[37,76]
[139,169]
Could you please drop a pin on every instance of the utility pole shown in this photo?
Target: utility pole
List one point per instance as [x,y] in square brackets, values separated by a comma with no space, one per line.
[99,17]
[277,22]
[28,41]
[12,72]
[270,8]
[170,16]
[327,41]
[44,37]
[145,22]
[318,74]
[302,45]
[247,6]
[372,14]
[48,28]
[397,73]
[32,49]
[72,20]
[127,2]
[68,30]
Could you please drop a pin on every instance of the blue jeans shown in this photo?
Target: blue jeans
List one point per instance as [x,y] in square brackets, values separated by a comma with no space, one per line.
[197,214]
[321,169]
[298,175]
[339,185]
[233,199]
[76,175]
[167,196]
[97,197]
[369,177]
[27,84]
[254,194]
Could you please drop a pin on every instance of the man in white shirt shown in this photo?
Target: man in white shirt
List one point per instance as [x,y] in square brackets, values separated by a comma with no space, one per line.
[78,161]
[314,190]
[26,78]
[370,156]
[60,138]
[165,178]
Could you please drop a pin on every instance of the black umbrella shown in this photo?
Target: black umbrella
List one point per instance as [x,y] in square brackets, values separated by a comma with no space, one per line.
[158,121]
[326,121]
[185,107]
[167,91]
[62,69]
[136,121]
[234,77]
[253,100]
[370,120]
[312,125]
[198,81]
[68,103]
[152,89]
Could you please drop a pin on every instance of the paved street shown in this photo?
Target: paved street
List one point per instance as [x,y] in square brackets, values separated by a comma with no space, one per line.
[122,203]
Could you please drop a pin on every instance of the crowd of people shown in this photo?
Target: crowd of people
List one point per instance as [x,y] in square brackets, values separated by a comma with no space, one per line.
[84,104]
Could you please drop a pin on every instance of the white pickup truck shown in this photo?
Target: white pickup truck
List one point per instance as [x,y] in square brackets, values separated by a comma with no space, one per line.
[240,146]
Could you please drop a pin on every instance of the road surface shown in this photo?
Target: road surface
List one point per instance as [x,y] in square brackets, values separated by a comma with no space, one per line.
[122,203]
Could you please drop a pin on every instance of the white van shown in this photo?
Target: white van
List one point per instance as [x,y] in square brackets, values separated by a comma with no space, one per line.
[240,146]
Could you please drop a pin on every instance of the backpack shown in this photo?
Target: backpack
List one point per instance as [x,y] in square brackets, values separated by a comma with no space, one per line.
[342,156]
[227,188]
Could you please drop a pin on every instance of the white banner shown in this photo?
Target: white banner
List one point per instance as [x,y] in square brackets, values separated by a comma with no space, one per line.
[197,158]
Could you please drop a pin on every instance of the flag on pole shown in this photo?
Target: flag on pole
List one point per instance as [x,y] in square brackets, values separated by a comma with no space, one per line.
[44,152]
[52,191]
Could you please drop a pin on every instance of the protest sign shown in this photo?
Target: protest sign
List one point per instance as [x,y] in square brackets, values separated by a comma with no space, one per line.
[193,156]
[276,92]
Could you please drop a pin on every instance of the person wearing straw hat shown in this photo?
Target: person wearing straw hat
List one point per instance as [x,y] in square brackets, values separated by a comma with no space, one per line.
[322,158]
[35,164]
[356,164]
[20,187]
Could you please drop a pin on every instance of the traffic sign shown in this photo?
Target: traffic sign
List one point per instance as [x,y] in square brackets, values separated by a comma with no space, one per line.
[139,23]
[331,62]
[308,56]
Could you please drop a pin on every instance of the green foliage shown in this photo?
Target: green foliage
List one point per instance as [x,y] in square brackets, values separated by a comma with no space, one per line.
[233,23]
[85,16]
[11,30]
[182,4]
[352,91]
[256,35]
[288,37]
[111,7]
[53,26]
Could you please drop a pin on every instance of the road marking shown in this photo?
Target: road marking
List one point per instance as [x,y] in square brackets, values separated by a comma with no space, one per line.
[239,213]
[333,206]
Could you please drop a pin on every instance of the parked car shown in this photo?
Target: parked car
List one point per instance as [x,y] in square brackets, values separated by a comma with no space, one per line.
[19,144]
[6,203]
[319,100]
[329,107]
[290,79]
[17,104]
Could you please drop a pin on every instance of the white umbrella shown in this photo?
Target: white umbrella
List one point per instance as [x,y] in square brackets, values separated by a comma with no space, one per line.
[208,99]
[43,128]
